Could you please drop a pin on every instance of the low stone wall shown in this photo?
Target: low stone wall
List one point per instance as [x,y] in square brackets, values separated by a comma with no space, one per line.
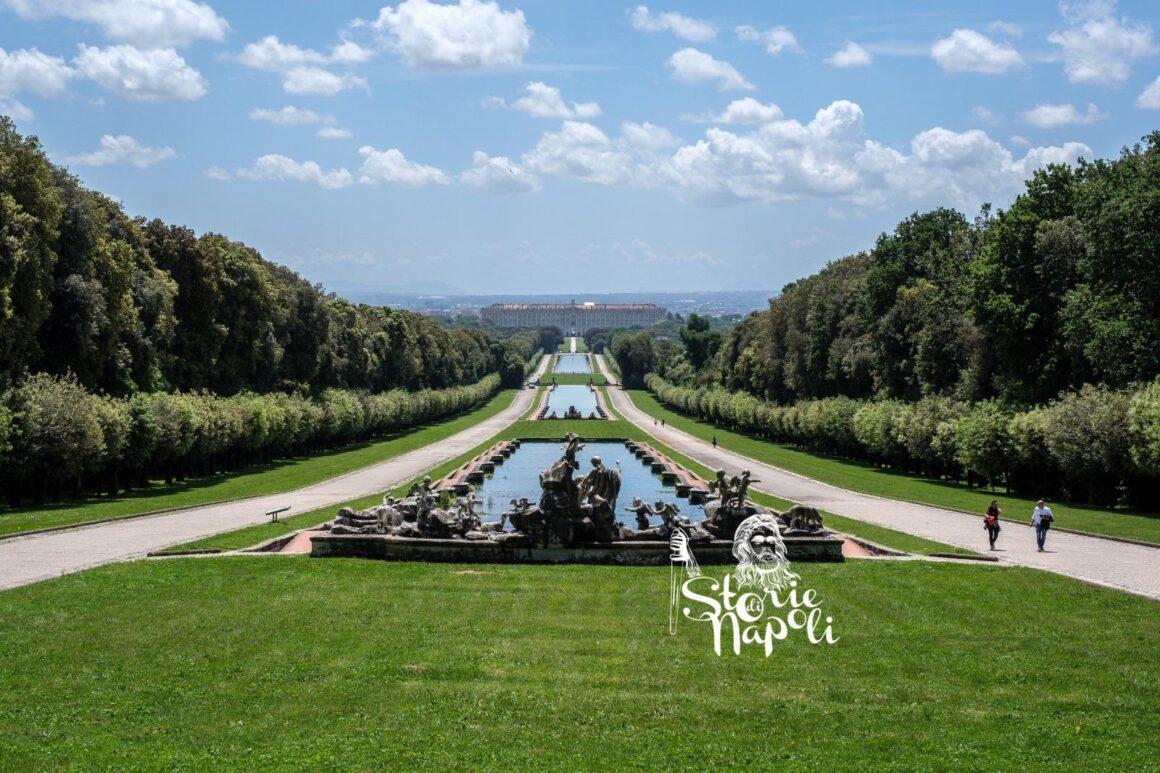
[686,483]
[387,548]
[459,482]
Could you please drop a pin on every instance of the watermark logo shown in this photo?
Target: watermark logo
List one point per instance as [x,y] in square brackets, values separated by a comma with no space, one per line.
[759,604]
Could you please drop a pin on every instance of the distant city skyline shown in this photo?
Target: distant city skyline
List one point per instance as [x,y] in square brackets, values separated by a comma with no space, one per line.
[529,146]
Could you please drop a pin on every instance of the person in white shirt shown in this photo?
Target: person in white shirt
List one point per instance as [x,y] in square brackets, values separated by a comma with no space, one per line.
[1041,518]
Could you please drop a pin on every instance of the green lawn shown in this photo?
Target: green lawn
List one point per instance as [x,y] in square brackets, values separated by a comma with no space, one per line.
[299,663]
[283,475]
[913,488]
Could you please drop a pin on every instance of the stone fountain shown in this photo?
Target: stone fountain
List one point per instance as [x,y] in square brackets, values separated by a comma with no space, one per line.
[574,520]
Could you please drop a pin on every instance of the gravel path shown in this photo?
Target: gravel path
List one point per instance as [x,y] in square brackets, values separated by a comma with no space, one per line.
[37,557]
[1133,568]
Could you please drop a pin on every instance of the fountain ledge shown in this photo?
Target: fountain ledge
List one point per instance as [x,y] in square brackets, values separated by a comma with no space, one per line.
[626,553]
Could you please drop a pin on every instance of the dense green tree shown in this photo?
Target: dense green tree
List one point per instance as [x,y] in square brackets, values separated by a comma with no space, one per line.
[636,356]
[700,342]
[30,212]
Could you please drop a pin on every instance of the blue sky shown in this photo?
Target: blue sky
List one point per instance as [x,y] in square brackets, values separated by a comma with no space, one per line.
[538,146]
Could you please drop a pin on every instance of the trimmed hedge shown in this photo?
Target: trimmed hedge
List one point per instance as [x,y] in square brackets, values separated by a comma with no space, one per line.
[56,437]
[1095,444]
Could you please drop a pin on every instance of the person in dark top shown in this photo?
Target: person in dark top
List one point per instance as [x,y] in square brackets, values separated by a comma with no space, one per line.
[991,521]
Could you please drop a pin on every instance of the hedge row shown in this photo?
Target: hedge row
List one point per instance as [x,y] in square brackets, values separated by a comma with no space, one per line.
[1095,444]
[57,437]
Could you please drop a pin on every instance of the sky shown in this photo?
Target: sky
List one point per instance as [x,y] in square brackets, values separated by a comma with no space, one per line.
[535,146]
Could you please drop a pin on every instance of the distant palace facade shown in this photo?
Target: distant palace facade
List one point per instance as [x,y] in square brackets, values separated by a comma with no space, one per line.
[572,318]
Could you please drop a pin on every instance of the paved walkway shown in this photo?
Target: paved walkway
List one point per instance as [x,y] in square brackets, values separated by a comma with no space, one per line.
[1134,568]
[37,557]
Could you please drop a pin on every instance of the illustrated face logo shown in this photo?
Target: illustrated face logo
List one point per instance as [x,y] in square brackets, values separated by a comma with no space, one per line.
[760,553]
[758,604]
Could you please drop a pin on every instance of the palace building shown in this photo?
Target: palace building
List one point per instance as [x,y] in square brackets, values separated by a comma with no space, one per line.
[572,318]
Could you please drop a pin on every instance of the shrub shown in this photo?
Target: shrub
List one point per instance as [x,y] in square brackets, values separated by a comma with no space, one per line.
[58,436]
[1085,432]
[981,441]
[59,433]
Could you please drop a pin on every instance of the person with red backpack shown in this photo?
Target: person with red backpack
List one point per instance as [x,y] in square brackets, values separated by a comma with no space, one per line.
[991,521]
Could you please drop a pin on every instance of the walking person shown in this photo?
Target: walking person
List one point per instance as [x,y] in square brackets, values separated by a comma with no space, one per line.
[991,521]
[1041,519]
[714,441]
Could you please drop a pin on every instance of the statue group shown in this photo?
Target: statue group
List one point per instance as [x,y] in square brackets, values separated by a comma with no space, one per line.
[571,510]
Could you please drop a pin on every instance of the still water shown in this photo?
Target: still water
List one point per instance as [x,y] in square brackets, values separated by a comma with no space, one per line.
[565,395]
[519,476]
[573,363]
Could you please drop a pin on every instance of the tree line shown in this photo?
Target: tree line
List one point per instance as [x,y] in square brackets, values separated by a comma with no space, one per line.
[1019,347]
[132,349]
[1094,444]
[1060,290]
[132,305]
[59,439]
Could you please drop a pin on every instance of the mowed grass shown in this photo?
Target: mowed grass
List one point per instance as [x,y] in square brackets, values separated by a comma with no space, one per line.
[578,378]
[283,475]
[292,662]
[870,479]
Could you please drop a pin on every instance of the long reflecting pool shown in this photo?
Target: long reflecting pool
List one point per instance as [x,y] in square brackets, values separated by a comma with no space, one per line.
[565,395]
[573,363]
[519,476]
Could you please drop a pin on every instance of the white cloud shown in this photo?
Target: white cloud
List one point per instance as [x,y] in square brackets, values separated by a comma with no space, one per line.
[216,172]
[283,169]
[334,133]
[640,251]
[150,75]
[851,55]
[1047,116]
[686,27]
[467,35]
[829,157]
[145,23]
[775,39]
[498,173]
[290,116]
[319,82]
[303,70]
[1005,28]
[740,111]
[1150,97]
[580,150]
[984,115]
[693,66]
[647,137]
[969,51]
[1020,140]
[16,110]
[544,101]
[123,149]
[390,166]
[1097,47]
[272,55]
[27,69]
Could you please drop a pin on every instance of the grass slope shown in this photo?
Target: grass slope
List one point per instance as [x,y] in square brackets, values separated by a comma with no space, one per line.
[292,663]
[870,479]
[283,475]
